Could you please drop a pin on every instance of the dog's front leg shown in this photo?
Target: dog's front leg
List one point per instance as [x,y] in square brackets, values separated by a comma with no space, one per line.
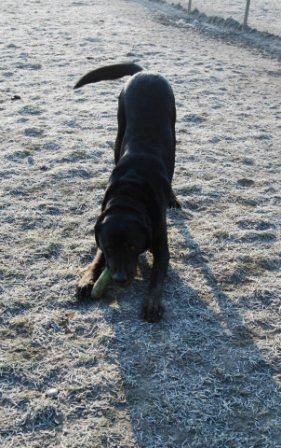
[153,309]
[90,275]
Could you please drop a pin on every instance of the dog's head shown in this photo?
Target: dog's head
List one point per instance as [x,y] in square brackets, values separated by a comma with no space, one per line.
[122,238]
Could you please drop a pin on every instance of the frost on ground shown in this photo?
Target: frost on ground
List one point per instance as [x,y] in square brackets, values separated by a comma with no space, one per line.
[96,375]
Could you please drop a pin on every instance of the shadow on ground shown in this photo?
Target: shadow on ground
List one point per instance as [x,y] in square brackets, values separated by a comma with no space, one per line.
[196,379]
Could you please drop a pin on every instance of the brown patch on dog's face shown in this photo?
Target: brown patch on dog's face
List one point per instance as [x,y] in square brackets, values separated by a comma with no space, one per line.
[122,238]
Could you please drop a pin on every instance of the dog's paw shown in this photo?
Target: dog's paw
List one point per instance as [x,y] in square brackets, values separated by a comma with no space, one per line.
[85,286]
[174,202]
[87,281]
[153,314]
[83,292]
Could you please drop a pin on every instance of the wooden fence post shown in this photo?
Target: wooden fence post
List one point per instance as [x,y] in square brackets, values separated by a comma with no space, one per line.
[189,6]
[245,24]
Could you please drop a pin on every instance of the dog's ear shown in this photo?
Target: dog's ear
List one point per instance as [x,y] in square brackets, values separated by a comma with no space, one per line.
[145,223]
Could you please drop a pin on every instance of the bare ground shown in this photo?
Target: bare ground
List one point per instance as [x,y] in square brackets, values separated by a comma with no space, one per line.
[209,375]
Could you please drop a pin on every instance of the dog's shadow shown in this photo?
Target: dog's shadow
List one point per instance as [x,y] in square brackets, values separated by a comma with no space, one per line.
[196,378]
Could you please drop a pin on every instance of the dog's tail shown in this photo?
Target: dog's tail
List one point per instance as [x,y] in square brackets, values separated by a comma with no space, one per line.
[109,72]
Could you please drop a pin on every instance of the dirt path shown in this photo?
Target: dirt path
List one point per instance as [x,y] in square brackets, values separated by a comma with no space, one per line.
[96,375]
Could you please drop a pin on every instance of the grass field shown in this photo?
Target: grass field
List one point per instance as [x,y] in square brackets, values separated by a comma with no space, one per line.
[96,375]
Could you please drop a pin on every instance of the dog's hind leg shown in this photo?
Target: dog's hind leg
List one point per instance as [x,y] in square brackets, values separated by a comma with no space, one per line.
[90,276]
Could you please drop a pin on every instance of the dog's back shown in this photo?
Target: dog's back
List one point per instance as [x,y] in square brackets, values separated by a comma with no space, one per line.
[149,105]
[146,112]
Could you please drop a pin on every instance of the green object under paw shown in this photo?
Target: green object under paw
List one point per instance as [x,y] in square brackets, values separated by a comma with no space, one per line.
[101,284]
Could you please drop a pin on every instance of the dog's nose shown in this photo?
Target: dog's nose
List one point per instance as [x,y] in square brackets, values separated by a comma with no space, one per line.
[120,277]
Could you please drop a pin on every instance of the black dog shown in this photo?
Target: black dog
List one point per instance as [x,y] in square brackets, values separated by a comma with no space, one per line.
[133,217]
